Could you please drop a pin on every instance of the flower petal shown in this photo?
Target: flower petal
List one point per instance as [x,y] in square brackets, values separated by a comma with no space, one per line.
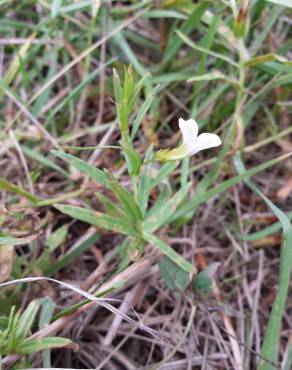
[205,141]
[189,130]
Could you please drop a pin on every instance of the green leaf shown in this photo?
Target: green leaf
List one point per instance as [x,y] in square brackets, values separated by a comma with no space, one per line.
[166,211]
[133,159]
[95,173]
[57,238]
[126,199]
[276,226]
[36,345]
[262,59]
[26,320]
[174,277]
[56,6]
[141,113]
[202,283]
[287,3]
[98,219]
[170,253]
[117,87]
[16,63]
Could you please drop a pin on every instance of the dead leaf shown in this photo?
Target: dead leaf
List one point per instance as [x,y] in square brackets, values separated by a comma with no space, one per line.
[6,261]
[285,191]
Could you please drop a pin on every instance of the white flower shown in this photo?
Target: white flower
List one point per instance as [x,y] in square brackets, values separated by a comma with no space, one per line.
[192,143]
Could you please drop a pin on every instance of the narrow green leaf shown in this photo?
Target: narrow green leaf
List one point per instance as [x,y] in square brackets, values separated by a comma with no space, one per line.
[79,247]
[272,229]
[98,219]
[14,66]
[262,59]
[26,320]
[144,184]
[169,252]
[36,345]
[95,173]
[133,159]
[141,113]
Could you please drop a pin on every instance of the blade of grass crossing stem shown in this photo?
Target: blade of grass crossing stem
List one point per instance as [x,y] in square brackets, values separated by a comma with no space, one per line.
[169,252]
[271,338]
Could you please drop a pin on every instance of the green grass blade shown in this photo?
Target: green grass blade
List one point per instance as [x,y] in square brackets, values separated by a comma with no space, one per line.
[174,43]
[227,184]
[271,338]
[266,231]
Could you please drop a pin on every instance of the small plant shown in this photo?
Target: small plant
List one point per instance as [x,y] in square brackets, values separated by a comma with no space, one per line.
[134,216]
[16,329]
